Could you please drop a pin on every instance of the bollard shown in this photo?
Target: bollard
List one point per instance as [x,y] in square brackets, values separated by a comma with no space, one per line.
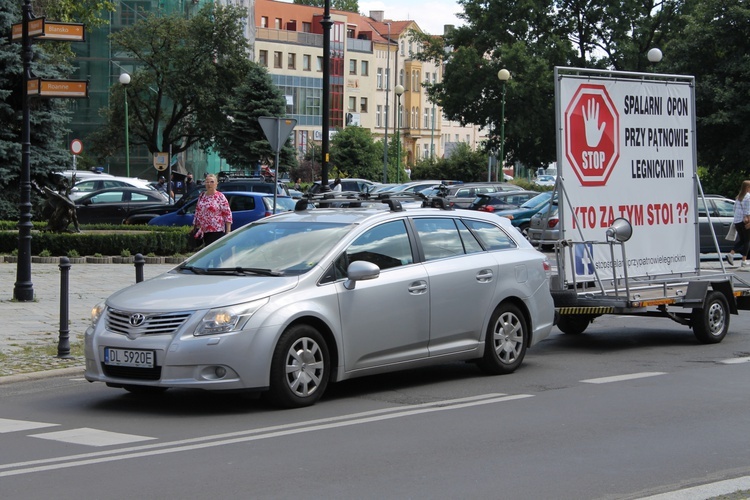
[139,262]
[63,343]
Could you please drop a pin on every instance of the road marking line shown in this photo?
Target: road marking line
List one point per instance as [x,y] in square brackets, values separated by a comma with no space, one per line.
[251,435]
[7,425]
[91,437]
[620,378]
[735,361]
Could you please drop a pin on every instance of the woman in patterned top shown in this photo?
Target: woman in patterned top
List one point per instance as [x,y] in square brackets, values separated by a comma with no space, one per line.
[212,214]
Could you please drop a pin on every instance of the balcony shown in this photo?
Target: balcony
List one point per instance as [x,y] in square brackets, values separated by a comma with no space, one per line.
[296,37]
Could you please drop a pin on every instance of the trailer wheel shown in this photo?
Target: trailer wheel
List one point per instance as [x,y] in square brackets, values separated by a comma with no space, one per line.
[574,324]
[710,324]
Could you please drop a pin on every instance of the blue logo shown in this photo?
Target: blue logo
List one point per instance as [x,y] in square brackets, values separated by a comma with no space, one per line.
[583,259]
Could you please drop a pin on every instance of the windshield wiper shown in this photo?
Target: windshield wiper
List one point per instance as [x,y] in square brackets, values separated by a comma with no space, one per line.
[196,270]
[242,271]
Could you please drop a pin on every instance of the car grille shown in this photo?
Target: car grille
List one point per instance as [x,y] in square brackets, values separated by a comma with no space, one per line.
[128,372]
[136,324]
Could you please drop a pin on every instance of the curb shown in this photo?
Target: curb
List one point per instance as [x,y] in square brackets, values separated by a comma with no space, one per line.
[26,377]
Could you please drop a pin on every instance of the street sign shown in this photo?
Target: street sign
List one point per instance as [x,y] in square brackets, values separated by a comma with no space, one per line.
[161,161]
[277,130]
[592,134]
[76,146]
[57,88]
[36,28]
[66,32]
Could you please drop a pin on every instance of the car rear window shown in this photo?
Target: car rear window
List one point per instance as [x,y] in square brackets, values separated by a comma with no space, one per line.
[491,236]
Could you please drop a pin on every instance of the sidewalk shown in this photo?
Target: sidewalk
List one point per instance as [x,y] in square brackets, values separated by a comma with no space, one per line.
[37,323]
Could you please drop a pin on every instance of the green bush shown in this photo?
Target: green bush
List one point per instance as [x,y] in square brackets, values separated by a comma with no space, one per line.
[102,239]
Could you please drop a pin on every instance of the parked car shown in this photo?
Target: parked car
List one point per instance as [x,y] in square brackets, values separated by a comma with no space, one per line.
[82,174]
[143,215]
[545,180]
[246,207]
[253,185]
[463,195]
[544,227]
[292,302]
[721,210]
[114,205]
[347,184]
[418,186]
[521,216]
[494,202]
[84,187]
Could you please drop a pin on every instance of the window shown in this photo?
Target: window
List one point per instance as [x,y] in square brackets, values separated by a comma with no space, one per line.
[386,245]
[277,59]
[364,68]
[306,62]
[263,58]
[352,66]
[306,27]
[426,117]
[264,22]
[319,64]
[363,104]
[292,61]
[379,78]
[491,236]
[352,104]
[378,113]
[277,23]
[401,77]
[439,237]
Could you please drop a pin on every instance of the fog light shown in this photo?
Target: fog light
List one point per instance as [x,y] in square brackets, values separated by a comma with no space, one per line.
[220,372]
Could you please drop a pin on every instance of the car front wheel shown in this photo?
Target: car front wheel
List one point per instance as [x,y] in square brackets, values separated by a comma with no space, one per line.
[299,368]
[506,341]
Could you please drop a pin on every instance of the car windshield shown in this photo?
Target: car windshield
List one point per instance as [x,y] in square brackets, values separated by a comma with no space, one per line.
[277,248]
[537,200]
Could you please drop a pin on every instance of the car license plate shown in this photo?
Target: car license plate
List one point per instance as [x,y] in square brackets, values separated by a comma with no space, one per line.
[133,358]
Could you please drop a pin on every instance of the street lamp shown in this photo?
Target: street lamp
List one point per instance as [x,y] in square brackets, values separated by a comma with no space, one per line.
[125,81]
[387,88]
[654,55]
[503,75]
[399,90]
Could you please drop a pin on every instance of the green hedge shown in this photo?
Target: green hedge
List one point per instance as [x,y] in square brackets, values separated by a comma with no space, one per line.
[99,239]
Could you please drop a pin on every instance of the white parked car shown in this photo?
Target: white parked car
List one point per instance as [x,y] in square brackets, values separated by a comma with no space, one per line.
[91,184]
[294,301]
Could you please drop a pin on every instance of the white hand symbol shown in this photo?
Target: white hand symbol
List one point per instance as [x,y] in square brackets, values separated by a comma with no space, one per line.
[591,123]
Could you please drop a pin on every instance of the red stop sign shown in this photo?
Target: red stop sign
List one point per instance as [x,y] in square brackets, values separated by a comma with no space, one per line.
[592,139]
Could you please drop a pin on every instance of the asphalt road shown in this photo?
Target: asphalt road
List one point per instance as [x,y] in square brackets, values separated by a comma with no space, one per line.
[633,407]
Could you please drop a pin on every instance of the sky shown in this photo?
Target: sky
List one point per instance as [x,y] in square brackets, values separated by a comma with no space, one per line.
[430,15]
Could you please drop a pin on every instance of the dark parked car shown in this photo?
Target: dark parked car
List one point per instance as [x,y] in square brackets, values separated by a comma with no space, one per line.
[114,205]
[252,185]
[721,210]
[348,184]
[494,202]
[246,207]
[144,214]
[463,195]
[521,216]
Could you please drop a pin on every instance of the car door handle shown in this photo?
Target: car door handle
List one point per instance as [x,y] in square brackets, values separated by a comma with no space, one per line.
[485,276]
[418,287]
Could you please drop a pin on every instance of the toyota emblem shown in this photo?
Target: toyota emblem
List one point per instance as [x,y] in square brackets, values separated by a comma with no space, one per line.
[137,319]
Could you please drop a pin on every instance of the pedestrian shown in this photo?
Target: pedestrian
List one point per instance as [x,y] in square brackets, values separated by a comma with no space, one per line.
[162,185]
[337,184]
[212,214]
[741,223]
[189,184]
[298,184]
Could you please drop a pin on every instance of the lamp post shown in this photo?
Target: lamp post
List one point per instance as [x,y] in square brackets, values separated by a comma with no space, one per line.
[503,75]
[387,88]
[125,81]
[399,90]
[654,55]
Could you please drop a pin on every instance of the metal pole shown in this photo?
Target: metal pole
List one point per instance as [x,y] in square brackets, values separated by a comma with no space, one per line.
[276,165]
[432,134]
[398,141]
[326,23]
[139,262]
[23,290]
[501,159]
[63,343]
[387,86]
[127,135]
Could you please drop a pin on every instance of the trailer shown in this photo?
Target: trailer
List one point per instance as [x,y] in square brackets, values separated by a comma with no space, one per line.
[626,193]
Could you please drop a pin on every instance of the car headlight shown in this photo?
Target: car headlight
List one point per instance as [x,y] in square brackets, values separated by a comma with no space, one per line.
[97,312]
[227,319]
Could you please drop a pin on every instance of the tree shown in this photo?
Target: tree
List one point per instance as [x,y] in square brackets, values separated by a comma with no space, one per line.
[354,153]
[345,5]
[713,47]
[49,117]
[462,164]
[241,140]
[188,71]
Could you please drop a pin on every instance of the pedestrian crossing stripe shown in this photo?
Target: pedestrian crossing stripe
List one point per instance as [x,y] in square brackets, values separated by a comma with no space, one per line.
[8,425]
[92,437]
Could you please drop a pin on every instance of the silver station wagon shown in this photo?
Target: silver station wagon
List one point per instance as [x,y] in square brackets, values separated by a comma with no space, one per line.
[294,301]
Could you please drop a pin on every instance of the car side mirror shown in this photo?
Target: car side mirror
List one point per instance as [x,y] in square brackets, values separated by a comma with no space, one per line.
[360,270]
